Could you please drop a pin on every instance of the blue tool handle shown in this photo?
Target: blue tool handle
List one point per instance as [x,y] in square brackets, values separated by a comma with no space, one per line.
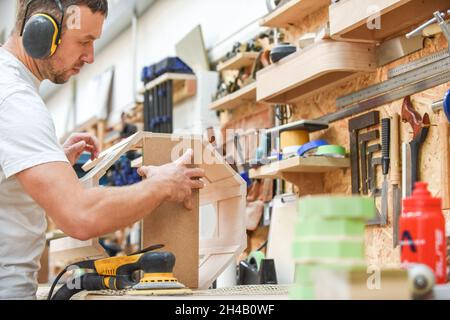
[447,105]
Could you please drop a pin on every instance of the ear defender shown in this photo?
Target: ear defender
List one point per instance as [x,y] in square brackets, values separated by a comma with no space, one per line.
[41,33]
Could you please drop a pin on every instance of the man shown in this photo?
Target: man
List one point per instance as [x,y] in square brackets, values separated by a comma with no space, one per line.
[36,176]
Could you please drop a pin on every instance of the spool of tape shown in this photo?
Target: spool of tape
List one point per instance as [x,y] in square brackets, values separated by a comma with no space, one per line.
[255,258]
[293,138]
[331,150]
[310,146]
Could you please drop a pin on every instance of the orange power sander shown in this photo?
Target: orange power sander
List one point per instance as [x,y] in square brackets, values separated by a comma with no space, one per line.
[117,273]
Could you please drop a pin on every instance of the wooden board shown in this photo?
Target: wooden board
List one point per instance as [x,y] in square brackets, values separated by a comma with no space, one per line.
[298,164]
[172,224]
[348,19]
[444,136]
[292,13]
[241,97]
[243,59]
[302,73]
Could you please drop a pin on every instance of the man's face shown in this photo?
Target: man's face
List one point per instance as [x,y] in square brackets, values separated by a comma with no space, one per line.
[76,48]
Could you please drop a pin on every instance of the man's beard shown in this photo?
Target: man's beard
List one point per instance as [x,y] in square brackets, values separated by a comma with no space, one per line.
[50,73]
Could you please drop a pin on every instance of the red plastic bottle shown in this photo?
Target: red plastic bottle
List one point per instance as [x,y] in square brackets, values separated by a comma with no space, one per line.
[422,232]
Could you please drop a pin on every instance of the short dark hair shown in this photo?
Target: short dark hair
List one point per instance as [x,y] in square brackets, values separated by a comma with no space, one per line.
[50,7]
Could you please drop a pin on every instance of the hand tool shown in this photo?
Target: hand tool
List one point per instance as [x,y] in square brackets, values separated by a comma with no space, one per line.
[420,128]
[375,192]
[395,176]
[370,151]
[385,160]
[406,169]
[116,273]
[354,125]
[363,139]
[407,79]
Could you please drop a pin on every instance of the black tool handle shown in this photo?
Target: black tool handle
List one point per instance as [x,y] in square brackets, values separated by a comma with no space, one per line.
[385,144]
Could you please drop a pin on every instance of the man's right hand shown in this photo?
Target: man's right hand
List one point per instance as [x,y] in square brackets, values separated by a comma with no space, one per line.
[176,178]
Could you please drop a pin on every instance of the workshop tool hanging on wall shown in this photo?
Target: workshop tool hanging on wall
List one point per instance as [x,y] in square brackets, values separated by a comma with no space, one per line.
[158,100]
[116,273]
[420,128]
[354,126]
[363,139]
[385,162]
[395,176]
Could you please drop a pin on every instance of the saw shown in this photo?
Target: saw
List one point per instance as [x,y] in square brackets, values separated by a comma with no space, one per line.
[118,273]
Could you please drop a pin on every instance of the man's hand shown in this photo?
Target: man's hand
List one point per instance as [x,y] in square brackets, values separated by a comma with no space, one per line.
[78,143]
[177,178]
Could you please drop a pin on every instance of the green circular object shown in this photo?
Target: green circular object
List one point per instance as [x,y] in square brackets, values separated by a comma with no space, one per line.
[336,207]
[331,150]
[255,257]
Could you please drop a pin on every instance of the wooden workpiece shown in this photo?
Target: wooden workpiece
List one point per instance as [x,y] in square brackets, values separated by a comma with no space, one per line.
[200,259]
[304,73]
[292,13]
[444,135]
[241,97]
[242,59]
[349,19]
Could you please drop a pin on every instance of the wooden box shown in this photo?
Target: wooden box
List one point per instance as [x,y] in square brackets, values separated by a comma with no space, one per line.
[219,208]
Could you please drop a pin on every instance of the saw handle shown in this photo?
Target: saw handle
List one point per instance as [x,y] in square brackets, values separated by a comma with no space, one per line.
[385,144]
[410,115]
[395,150]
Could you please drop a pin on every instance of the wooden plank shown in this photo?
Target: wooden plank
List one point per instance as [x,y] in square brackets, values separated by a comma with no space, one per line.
[302,74]
[292,13]
[298,164]
[349,19]
[241,97]
[243,59]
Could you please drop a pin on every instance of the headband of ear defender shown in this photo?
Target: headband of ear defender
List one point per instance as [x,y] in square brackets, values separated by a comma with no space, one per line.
[41,33]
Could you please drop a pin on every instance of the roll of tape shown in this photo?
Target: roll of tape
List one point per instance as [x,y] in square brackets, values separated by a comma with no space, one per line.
[310,146]
[255,258]
[293,138]
[331,150]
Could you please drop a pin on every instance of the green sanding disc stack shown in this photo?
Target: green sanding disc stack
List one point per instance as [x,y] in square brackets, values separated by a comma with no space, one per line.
[329,234]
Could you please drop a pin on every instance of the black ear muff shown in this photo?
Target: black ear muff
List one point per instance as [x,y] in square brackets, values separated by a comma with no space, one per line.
[41,33]
[40,36]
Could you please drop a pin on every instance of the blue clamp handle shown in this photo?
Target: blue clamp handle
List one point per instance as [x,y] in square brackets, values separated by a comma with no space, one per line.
[447,105]
[311,145]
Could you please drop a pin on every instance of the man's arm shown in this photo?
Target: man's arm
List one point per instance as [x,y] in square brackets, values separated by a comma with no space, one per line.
[87,213]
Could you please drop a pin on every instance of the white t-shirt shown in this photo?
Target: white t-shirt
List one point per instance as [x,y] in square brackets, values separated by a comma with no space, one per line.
[27,139]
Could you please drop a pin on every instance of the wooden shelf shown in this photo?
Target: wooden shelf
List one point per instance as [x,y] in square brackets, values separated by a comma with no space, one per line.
[348,19]
[184,85]
[244,59]
[244,95]
[292,13]
[315,68]
[275,170]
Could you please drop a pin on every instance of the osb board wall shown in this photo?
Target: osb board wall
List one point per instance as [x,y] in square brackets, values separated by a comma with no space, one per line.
[379,248]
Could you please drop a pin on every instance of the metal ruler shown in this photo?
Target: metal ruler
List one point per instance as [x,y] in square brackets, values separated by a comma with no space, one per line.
[405,79]
[441,55]
[387,97]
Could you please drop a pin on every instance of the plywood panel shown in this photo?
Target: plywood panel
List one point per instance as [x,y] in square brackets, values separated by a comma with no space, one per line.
[172,224]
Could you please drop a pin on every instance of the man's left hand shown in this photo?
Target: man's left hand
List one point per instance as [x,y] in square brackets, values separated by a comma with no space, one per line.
[79,143]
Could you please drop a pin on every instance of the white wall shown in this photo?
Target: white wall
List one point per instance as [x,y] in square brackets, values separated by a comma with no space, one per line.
[159,29]
[7,16]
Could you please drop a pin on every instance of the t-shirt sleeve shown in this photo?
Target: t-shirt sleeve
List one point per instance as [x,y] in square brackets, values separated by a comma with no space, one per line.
[27,133]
